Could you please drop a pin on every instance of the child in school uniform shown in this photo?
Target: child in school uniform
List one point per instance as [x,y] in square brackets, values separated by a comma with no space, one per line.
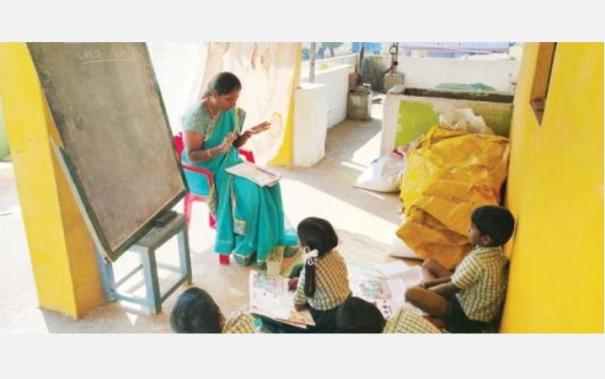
[359,316]
[467,300]
[197,312]
[323,284]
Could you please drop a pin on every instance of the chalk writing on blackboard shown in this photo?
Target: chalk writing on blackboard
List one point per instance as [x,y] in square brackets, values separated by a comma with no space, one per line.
[106,54]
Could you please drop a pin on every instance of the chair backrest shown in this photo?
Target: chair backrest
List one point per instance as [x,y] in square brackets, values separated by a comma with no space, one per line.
[178,144]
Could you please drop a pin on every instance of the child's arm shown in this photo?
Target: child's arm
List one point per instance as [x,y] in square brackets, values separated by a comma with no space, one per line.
[300,299]
[445,289]
[465,275]
[432,283]
[292,284]
[300,307]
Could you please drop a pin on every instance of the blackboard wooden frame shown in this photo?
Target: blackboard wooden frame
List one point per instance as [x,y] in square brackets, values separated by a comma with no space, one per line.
[82,197]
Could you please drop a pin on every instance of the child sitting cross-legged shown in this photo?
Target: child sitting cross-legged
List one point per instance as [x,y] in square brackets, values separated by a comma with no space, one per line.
[323,283]
[467,300]
[359,316]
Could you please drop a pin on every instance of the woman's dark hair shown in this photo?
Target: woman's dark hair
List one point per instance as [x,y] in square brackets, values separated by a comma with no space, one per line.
[223,84]
[496,222]
[356,315]
[195,312]
[317,234]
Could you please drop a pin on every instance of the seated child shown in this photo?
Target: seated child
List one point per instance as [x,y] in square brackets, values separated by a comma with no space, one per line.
[323,283]
[196,312]
[359,316]
[467,300]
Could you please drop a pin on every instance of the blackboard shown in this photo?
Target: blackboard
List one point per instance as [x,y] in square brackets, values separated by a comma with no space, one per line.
[117,143]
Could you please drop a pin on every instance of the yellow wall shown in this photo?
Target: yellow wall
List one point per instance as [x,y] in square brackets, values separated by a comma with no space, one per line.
[555,191]
[61,251]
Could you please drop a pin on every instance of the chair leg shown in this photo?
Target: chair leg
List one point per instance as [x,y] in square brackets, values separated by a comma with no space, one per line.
[223,259]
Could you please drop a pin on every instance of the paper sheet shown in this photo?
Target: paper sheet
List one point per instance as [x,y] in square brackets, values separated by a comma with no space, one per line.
[250,171]
[384,285]
[399,269]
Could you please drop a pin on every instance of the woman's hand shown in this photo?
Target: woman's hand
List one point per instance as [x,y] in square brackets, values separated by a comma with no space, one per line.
[259,128]
[227,142]
[241,140]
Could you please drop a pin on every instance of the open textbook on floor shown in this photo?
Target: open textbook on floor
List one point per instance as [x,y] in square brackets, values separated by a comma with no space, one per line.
[269,297]
[261,176]
[383,285]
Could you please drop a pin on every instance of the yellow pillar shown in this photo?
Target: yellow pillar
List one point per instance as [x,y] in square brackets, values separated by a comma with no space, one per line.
[555,191]
[61,250]
[284,155]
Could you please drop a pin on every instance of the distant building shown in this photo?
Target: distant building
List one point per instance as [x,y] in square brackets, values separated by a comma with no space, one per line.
[452,49]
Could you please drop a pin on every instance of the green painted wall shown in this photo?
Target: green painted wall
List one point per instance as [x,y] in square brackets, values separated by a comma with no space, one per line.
[415,119]
[418,114]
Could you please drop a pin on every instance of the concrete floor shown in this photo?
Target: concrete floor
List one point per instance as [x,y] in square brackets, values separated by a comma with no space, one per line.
[365,222]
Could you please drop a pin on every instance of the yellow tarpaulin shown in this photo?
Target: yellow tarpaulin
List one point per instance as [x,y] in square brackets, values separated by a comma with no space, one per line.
[449,175]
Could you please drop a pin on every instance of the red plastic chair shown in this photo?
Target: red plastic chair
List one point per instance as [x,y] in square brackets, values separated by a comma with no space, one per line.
[190,198]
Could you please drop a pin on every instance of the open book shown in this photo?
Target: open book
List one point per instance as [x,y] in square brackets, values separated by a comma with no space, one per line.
[387,294]
[252,172]
[269,297]
[383,285]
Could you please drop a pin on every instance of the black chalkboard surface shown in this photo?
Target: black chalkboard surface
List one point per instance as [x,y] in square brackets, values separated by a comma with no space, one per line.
[117,143]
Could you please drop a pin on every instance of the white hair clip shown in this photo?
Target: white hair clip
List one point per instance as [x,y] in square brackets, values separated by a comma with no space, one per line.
[310,257]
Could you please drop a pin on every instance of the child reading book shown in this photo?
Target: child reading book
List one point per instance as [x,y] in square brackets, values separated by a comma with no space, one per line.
[323,283]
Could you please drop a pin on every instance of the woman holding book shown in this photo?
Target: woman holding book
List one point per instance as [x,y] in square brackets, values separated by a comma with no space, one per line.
[250,220]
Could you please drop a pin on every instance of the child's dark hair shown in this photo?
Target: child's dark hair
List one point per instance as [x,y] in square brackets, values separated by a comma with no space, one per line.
[496,222]
[195,312]
[223,84]
[356,315]
[317,234]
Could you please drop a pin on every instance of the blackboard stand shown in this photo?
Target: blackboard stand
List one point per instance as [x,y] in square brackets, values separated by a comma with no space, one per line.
[170,224]
[146,247]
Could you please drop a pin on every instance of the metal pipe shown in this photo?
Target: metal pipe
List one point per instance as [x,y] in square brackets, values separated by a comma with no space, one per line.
[394,57]
[361,54]
[312,62]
